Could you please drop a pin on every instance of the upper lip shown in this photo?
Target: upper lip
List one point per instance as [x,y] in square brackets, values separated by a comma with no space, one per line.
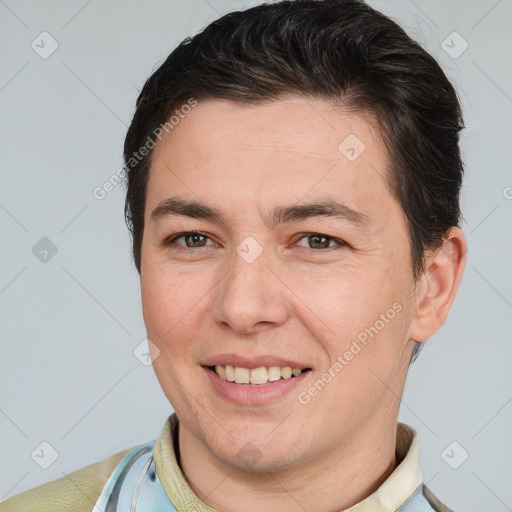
[252,362]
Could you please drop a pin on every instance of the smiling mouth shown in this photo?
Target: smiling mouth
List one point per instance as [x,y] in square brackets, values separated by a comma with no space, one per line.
[256,376]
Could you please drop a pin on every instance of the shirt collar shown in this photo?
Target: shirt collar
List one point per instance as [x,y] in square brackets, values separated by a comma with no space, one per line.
[392,494]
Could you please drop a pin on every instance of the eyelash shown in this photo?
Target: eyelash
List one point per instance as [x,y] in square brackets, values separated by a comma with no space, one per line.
[179,248]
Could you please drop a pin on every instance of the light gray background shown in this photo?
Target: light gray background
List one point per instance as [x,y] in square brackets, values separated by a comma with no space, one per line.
[69,326]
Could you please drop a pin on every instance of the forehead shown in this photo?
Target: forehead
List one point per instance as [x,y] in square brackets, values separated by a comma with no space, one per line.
[308,128]
[223,153]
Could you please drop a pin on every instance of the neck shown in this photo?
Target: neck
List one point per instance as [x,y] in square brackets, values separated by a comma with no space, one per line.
[349,473]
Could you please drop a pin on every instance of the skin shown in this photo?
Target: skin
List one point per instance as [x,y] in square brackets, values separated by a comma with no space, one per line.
[301,299]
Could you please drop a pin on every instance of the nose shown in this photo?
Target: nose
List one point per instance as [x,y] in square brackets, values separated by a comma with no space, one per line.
[251,297]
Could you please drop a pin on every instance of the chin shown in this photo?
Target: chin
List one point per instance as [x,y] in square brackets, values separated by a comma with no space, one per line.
[251,459]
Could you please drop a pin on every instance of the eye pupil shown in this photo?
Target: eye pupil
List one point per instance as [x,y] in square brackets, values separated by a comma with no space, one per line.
[194,237]
[317,237]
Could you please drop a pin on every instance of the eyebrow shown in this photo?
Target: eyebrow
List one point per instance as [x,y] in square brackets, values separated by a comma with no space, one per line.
[174,206]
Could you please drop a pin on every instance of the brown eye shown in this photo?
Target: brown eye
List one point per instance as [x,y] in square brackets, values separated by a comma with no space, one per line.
[319,241]
[193,239]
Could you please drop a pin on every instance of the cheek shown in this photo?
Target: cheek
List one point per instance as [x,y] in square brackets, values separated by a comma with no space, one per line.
[171,304]
[365,313]
[349,298]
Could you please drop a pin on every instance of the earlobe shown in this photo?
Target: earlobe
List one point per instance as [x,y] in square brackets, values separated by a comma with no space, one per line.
[436,290]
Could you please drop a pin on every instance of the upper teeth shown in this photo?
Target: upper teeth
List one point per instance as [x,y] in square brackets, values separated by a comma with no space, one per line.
[260,375]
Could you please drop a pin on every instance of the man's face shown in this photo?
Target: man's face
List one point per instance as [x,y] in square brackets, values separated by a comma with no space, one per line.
[306,291]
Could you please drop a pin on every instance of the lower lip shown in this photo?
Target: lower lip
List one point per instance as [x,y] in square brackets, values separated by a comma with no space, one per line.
[256,394]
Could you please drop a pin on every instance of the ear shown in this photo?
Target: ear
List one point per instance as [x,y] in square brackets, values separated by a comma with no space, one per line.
[436,289]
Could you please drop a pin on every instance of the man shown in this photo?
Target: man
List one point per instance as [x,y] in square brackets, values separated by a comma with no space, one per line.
[293,196]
